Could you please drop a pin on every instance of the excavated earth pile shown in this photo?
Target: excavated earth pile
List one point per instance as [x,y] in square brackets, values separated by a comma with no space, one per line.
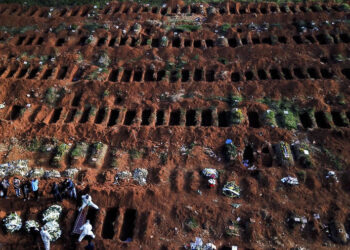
[258,92]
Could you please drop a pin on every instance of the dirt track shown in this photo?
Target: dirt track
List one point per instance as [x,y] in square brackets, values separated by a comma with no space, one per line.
[165,104]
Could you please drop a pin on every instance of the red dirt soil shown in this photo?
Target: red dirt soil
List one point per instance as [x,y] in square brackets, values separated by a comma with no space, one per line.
[121,104]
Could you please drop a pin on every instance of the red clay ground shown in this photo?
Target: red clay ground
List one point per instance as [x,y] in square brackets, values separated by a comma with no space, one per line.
[89,76]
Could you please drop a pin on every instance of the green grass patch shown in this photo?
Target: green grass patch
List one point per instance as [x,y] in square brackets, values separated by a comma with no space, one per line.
[59,28]
[163,157]
[188,27]
[286,112]
[233,100]
[98,74]
[270,118]
[225,27]
[345,7]
[178,65]
[191,223]
[34,145]
[93,111]
[135,154]
[222,60]
[77,151]
[335,160]
[289,120]
[18,30]
[53,95]
[61,149]
[230,150]
[106,93]
[98,146]
[92,27]
[237,116]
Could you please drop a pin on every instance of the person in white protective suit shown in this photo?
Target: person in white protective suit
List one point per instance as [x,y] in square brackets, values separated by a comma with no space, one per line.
[87,201]
[86,230]
[45,236]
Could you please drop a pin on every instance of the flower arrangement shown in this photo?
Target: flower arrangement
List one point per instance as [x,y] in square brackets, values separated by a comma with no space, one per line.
[140,176]
[53,228]
[52,213]
[31,224]
[230,189]
[12,222]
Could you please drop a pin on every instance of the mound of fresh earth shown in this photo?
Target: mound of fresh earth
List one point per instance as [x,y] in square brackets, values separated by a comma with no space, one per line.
[259,92]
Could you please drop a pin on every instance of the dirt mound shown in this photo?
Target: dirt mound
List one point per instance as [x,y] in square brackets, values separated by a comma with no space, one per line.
[134,101]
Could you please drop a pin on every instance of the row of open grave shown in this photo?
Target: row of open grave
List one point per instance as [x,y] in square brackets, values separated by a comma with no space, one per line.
[122,223]
[118,116]
[329,226]
[191,181]
[107,39]
[140,224]
[118,223]
[126,223]
[271,72]
[229,8]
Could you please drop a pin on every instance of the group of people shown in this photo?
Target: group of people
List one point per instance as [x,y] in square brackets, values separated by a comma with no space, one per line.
[64,189]
[26,187]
